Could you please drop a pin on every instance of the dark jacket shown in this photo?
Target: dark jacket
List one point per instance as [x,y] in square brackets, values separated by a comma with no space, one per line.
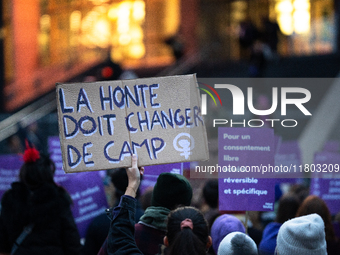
[148,239]
[268,243]
[48,208]
[121,240]
[149,231]
[97,231]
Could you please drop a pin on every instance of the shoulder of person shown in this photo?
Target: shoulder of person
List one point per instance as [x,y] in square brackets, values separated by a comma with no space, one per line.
[17,194]
[65,196]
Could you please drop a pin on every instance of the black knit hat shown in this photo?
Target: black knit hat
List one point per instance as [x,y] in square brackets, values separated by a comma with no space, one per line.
[171,190]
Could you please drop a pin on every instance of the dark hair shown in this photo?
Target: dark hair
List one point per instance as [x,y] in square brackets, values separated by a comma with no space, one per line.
[35,174]
[120,181]
[210,193]
[187,241]
[301,191]
[288,206]
[314,204]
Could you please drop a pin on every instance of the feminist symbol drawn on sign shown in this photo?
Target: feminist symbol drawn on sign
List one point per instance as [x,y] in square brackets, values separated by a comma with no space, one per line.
[185,145]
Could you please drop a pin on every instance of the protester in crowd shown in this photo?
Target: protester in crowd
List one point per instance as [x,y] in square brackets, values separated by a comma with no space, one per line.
[314,204]
[255,226]
[271,32]
[248,33]
[34,135]
[210,197]
[288,206]
[170,191]
[257,60]
[301,191]
[98,230]
[35,213]
[146,197]
[187,230]
[336,225]
[270,216]
[14,145]
[237,243]
[175,42]
[304,235]
[222,226]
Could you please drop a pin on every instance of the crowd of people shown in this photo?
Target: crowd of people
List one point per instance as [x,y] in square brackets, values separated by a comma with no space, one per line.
[36,218]
[259,45]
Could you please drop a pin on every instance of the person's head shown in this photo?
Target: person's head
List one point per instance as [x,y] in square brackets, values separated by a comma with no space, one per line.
[37,169]
[303,235]
[146,198]
[187,232]
[171,191]
[237,243]
[288,206]
[224,225]
[314,204]
[119,180]
[301,191]
[210,193]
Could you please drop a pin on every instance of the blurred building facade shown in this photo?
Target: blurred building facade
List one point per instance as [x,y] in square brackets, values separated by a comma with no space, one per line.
[49,41]
[307,27]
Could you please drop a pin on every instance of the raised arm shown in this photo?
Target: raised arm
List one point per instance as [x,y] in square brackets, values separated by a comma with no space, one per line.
[121,238]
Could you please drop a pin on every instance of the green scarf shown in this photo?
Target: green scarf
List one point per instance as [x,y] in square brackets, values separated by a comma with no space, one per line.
[156,216]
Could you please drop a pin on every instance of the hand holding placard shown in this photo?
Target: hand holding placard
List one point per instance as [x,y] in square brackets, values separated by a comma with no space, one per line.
[134,175]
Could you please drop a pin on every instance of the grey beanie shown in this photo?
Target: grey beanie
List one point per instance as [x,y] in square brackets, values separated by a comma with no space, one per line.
[237,243]
[303,235]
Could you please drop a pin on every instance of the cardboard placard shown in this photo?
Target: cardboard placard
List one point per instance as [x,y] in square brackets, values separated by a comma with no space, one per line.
[102,123]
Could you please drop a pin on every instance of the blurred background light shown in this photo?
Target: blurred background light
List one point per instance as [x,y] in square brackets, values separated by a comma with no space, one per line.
[293,16]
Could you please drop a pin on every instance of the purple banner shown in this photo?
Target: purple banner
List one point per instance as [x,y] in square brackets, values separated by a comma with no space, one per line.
[277,143]
[331,146]
[86,189]
[326,165]
[152,172]
[327,189]
[88,196]
[246,152]
[250,149]
[55,154]
[246,194]
[9,171]
[288,155]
